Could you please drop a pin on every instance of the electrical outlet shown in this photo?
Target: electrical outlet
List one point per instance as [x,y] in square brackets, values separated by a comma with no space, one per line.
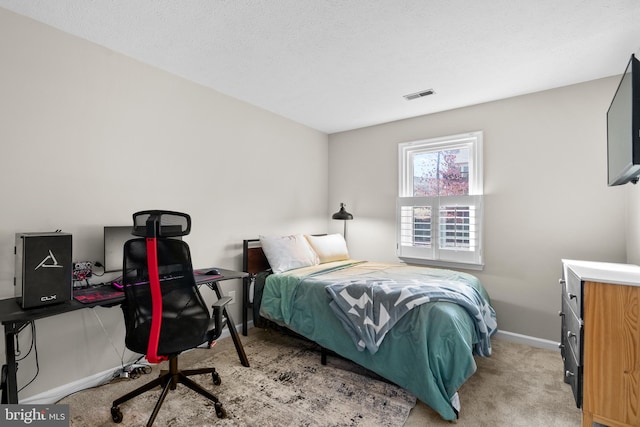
[232,295]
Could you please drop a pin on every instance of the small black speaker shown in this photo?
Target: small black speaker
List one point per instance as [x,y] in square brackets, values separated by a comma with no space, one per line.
[43,268]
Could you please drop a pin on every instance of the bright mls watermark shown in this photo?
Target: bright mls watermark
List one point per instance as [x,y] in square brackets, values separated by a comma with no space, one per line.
[34,415]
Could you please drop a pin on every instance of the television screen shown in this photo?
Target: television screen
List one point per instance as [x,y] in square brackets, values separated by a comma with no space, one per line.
[623,127]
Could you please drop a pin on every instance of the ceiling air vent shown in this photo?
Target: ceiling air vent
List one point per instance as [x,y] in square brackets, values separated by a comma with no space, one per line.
[420,94]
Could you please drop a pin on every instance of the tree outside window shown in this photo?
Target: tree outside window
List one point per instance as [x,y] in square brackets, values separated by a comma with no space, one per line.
[441,173]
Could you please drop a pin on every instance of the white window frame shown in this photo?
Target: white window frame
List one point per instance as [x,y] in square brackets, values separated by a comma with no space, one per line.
[433,254]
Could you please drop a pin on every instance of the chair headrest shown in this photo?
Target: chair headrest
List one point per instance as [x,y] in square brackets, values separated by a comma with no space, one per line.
[160,223]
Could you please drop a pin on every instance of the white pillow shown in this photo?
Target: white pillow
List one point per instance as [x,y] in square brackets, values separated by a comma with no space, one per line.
[331,247]
[288,252]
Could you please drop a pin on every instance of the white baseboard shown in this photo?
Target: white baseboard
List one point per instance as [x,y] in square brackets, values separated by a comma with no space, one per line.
[526,339]
[52,396]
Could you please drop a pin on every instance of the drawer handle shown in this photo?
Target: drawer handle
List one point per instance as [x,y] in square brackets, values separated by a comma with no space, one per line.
[560,346]
[562,281]
[571,334]
[560,313]
[573,296]
[569,374]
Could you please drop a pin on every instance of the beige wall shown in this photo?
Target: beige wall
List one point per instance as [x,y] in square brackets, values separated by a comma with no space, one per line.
[89,136]
[546,196]
[633,224]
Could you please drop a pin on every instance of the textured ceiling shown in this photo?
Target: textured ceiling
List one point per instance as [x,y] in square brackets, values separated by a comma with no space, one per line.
[336,65]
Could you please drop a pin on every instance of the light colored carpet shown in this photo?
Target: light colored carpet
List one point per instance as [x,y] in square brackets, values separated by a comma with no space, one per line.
[518,385]
[285,386]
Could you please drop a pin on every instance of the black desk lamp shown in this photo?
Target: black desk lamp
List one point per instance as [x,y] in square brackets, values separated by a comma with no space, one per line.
[343,215]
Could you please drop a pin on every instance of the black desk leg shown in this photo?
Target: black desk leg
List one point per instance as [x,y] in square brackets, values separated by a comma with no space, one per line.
[236,339]
[246,284]
[3,387]
[10,387]
[232,330]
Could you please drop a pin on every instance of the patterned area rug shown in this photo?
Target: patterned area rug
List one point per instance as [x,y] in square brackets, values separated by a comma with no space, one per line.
[285,386]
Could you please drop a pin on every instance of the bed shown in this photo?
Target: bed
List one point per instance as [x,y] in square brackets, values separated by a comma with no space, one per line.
[406,323]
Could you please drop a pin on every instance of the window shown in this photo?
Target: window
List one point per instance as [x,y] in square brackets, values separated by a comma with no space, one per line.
[439,212]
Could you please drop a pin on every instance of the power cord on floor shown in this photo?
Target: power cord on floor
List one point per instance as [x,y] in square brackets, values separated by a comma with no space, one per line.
[133,370]
[139,370]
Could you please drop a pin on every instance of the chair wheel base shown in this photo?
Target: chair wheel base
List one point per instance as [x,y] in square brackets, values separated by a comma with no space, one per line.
[116,414]
[169,380]
[216,378]
[220,411]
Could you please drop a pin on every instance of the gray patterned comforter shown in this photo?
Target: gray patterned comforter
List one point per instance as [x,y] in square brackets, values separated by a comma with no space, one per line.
[368,308]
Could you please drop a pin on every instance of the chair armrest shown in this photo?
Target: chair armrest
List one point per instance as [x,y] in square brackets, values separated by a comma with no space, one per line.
[221,303]
[218,322]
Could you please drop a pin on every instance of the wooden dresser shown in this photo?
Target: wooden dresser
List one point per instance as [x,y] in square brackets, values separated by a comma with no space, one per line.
[600,342]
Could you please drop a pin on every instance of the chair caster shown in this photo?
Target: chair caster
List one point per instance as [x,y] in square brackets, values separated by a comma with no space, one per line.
[216,378]
[220,412]
[116,414]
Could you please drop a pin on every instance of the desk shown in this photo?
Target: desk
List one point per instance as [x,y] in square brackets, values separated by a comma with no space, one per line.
[212,282]
[14,319]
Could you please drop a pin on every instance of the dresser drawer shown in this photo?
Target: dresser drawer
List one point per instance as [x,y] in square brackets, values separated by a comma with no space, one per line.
[573,375]
[563,338]
[573,292]
[572,330]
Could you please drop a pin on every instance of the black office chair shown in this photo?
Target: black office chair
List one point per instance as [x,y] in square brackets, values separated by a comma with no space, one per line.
[163,310]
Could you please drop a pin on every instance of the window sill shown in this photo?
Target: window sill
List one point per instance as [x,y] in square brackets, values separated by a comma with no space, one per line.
[443,264]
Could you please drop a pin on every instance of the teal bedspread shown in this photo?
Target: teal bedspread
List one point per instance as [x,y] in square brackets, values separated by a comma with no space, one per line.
[429,351]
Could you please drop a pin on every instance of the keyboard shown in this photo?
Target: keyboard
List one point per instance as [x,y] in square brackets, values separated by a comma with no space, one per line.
[97,294]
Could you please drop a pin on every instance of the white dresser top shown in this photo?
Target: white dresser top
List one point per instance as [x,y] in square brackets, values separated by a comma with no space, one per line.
[605,272]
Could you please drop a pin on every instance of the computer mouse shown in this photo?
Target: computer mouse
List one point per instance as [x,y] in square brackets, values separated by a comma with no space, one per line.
[212,272]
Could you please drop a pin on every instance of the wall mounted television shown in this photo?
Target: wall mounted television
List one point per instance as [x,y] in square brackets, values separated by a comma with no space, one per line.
[623,128]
